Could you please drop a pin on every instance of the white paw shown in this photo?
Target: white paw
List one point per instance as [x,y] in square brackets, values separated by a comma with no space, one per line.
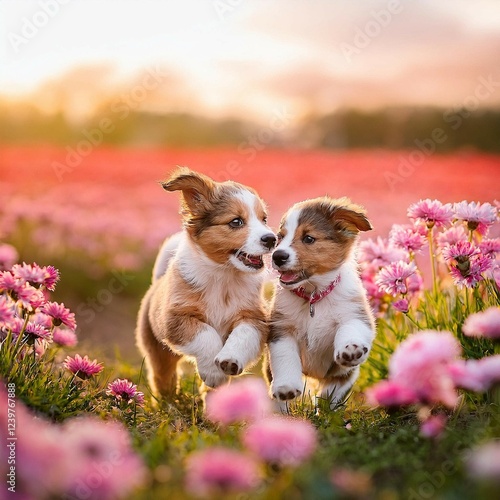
[213,377]
[352,354]
[285,392]
[229,366]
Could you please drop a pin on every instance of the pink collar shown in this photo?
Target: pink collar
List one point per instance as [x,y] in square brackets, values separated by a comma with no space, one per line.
[315,296]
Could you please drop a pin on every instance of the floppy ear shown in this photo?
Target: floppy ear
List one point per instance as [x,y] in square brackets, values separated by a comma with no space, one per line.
[351,216]
[197,189]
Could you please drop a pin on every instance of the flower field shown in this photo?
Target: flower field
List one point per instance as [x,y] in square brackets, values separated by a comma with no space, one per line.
[78,421]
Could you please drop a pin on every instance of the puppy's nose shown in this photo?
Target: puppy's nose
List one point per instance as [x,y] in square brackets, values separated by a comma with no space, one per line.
[280,257]
[269,240]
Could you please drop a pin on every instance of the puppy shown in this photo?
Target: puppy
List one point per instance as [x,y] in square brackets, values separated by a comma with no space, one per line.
[321,323]
[205,301]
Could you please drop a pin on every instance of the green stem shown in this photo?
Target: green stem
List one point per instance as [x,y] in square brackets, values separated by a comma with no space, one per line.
[433,263]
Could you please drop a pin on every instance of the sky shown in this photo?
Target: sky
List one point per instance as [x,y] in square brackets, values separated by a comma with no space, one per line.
[251,58]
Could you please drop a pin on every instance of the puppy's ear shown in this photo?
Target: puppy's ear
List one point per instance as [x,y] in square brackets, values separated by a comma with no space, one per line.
[351,216]
[197,189]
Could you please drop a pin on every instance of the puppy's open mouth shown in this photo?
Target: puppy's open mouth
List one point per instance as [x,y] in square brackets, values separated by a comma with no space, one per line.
[291,277]
[252,261]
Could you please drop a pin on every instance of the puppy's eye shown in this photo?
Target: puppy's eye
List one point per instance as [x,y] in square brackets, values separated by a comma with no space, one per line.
[264,220]
[308,239]
[279,236]
[238,222]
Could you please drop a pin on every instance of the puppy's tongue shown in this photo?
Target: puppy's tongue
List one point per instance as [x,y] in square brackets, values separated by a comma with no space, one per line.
[289,277]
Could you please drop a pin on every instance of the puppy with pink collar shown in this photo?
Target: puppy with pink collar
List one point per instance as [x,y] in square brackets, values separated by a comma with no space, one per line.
[321,323]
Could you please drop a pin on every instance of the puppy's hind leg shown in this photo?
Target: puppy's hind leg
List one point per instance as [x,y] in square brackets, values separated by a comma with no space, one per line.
[161,362]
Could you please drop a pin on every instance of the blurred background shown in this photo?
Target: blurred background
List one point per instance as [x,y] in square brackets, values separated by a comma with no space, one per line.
[383,101]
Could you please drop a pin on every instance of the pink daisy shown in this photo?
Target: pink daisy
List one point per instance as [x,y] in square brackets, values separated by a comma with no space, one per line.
[60,314]
[462,252]
[30,297]
[82,367]
[431,212]
[64,337]
[8,256]
[380,252]
[7,311]
[220,471]
[483,324]
[490,247]
[409,238]
[393,278]
[35,331]
[451,236]
[433,426]
[472,275]
[420,363]
[479,217]
[401,305]
[31,273]
[244,400]
[390,393]
[51,278]
[282,441]
[124,390]
[8,283]
[476,375]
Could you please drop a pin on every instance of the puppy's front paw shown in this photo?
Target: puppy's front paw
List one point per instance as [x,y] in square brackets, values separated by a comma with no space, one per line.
[213,378]
[352,354]
[285,392]
[229,366]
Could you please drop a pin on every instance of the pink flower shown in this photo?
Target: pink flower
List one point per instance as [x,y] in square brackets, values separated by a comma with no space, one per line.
[35,331]
[483,324]
[60,314]
[476,375]
[490,247]
[392,279]
[280,440]
[472,273]
[8,256]
[433,426]
[82,367]
[478,217]
[64,337]
[451,236]
[379,253]
[7,311]
[30,297]
[219,471]
[484,461]
[461,252]
[420,363]
[390,393]
[401,305]
[409,238]
[101,449]
[124,390]
[431,212]
[243,400]
[8,283]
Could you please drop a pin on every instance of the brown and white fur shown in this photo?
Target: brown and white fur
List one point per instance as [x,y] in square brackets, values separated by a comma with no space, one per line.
[317,240]
[205,301]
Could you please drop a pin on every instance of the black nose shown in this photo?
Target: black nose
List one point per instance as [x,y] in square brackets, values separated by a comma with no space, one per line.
[269,240]
[280,257]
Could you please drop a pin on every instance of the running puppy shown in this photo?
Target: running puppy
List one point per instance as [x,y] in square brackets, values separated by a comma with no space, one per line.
[321,323]
[205,301]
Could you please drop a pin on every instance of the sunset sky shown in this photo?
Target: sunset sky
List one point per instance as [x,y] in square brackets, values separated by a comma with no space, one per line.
[252,58]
